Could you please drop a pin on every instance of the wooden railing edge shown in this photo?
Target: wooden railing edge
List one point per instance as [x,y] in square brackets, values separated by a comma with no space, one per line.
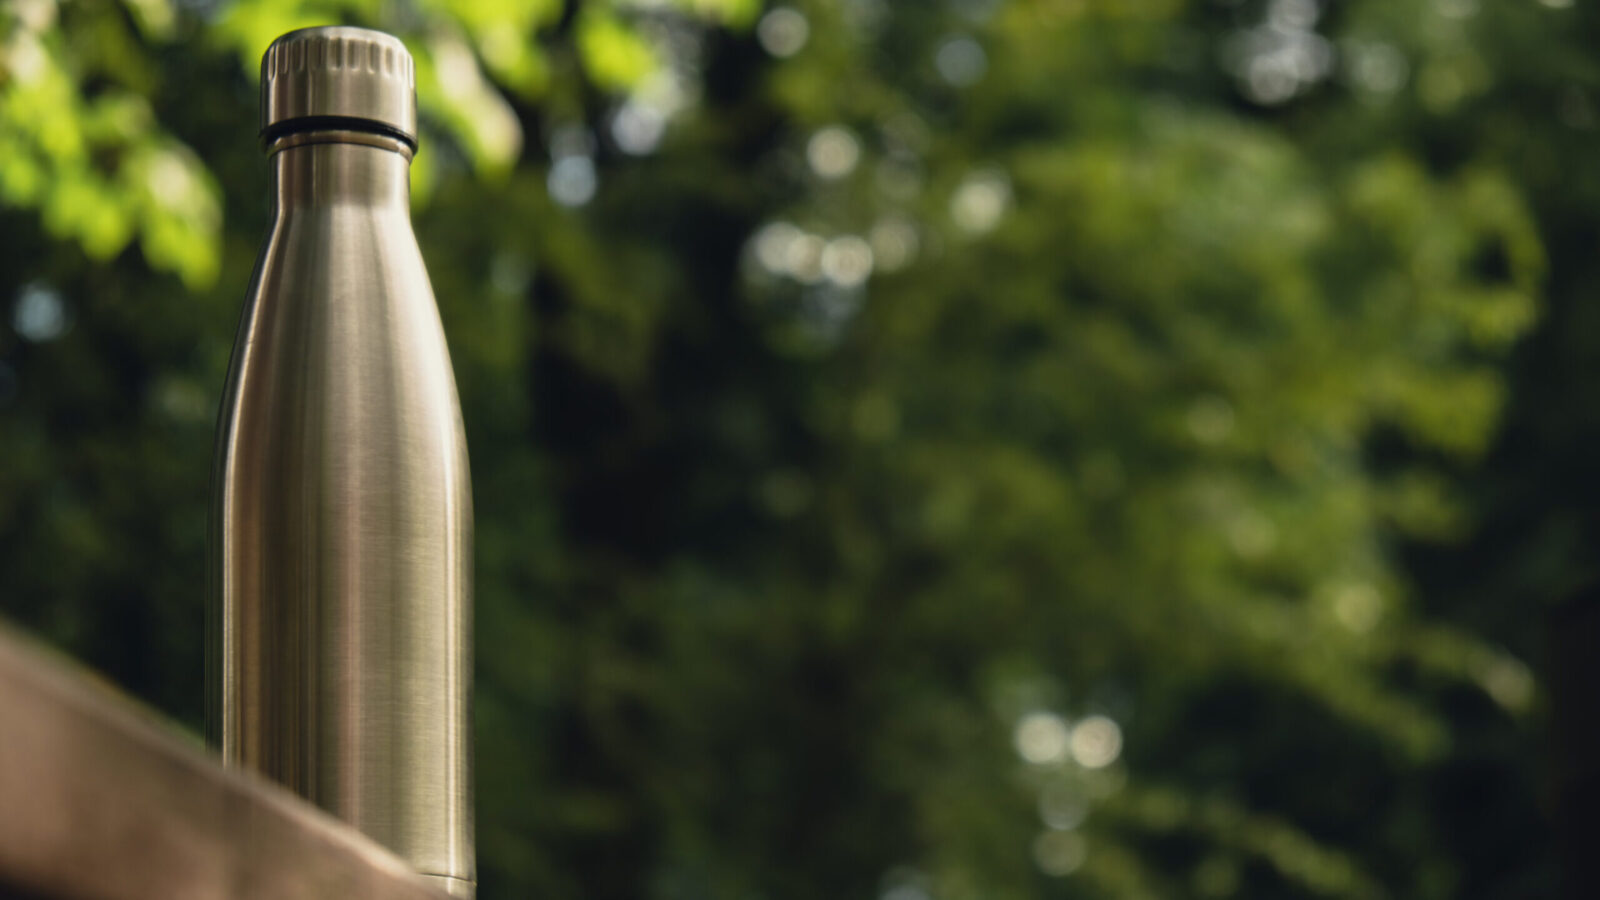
[101,800]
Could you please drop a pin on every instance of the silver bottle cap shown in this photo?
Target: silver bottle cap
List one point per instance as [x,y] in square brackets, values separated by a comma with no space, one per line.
[340,72]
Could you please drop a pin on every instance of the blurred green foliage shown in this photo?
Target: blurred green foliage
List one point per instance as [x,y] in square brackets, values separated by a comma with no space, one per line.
[971,449]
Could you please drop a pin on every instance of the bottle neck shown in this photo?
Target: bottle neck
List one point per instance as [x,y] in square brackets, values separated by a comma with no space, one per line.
[325,168]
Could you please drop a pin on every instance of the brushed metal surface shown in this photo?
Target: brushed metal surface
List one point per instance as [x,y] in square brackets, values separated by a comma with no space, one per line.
[339,70]
[342,524]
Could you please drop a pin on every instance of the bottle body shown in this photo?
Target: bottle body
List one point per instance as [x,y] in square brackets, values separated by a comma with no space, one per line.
[342,521]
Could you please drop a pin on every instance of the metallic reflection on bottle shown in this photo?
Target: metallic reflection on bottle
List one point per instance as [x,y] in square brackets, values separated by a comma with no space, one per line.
[340,607]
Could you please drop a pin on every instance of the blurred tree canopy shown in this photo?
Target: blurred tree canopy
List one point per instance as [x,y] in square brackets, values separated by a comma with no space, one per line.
[966,450]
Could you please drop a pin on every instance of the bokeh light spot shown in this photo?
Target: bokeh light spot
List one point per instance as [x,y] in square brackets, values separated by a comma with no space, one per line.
[847,261]
[783,32]
[1358,606]
[1456,9]
[573,181]
[804,258]
[1096,742]
[894,243]
[637,128]
[833,152]
[1041,738]
[1300,14]
[40,314]
[1252,535]
[906,892]
[961,61]
[980,201]
[1375,66]
[1509,682]
[771,246]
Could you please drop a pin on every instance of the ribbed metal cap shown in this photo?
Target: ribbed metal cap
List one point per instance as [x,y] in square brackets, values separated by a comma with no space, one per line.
[341,71]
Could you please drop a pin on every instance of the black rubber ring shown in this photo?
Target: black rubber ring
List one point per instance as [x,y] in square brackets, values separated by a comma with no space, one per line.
[304,124]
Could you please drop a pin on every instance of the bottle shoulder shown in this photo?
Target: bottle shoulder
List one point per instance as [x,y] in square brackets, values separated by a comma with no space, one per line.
[348,302]
[339,249]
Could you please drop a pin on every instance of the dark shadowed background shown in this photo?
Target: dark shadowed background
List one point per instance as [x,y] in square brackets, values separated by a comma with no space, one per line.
[954,450]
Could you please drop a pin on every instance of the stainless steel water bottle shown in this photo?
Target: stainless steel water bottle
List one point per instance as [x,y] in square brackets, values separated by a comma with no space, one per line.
[342,519]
